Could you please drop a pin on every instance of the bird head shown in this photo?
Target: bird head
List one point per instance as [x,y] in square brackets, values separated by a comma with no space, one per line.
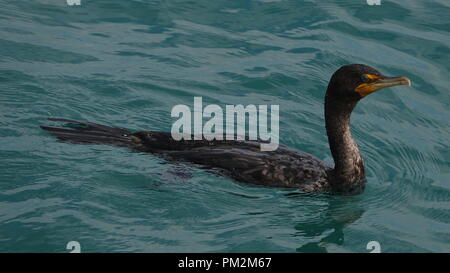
[355,81]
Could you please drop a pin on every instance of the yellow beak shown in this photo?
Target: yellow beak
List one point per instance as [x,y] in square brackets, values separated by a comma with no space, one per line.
[378,83]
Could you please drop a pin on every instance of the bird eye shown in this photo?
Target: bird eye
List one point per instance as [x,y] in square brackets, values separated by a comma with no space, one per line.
[364,78]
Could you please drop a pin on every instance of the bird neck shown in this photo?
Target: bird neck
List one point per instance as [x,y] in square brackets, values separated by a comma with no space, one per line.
[348,175]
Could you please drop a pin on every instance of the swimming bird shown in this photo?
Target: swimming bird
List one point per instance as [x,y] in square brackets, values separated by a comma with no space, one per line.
[243,161]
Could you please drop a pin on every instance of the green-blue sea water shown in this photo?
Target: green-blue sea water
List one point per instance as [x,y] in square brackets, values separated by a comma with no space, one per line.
[127,63]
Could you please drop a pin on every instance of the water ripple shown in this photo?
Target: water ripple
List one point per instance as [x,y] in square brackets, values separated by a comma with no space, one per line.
[127,63]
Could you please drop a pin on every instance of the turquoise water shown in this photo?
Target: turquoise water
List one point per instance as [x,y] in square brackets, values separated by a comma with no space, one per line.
[127,63]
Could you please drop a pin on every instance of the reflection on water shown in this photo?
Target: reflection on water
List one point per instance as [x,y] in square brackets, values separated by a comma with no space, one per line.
[329,229]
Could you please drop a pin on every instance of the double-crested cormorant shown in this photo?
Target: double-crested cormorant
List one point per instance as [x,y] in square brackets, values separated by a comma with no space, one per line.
[244,161]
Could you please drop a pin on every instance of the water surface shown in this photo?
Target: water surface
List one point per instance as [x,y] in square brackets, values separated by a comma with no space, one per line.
[127,63]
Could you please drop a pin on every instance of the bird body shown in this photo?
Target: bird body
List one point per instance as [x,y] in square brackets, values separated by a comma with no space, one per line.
[243,160]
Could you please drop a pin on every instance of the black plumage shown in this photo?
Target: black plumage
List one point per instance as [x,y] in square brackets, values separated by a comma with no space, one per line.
[244,161]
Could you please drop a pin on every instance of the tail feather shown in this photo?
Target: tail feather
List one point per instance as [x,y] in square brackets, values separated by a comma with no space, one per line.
[89,133]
